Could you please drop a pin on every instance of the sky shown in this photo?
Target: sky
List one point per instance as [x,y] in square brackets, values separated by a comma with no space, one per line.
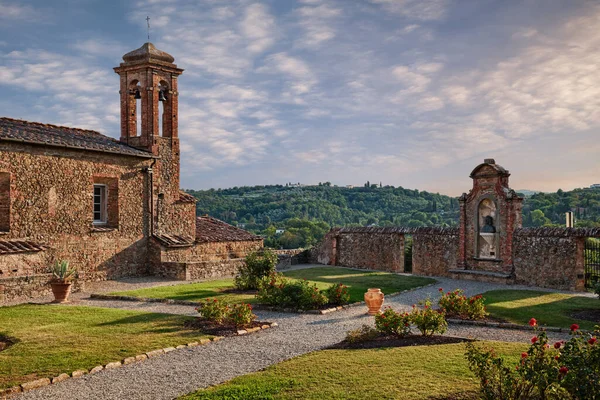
[411,93]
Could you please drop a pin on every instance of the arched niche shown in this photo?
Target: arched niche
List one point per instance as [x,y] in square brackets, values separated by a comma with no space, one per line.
[487,228]
[164,108]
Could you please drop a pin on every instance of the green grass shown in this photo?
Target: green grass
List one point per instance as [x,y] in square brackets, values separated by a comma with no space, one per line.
[549,309]
[357,281]
[418,372]
[55,339]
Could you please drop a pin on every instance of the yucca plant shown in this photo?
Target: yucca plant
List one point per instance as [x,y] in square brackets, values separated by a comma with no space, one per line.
[62,272]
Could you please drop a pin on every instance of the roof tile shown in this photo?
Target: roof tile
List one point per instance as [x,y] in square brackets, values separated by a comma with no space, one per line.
[210,229]
[20,246]
[63,136]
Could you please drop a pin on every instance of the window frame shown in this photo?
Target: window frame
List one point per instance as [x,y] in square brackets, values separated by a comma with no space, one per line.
[103,204]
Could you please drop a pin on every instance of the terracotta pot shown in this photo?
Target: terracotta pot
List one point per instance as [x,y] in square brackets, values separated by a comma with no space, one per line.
[374,300]
[61,291]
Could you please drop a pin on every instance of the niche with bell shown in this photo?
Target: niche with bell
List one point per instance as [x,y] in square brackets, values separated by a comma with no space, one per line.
[487,233]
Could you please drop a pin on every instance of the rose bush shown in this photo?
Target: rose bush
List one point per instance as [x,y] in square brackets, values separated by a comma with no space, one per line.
[390,322]
[565,370]
[456,304]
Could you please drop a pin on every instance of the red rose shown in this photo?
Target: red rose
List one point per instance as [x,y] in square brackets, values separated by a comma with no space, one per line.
[523,355]
[441,290]
[532,322]
[592,341]
[574,327]
[556,357]
[557,345]
[563,370]
[534,339]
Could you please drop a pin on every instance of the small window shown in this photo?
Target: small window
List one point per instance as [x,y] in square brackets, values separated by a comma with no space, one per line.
[100,214]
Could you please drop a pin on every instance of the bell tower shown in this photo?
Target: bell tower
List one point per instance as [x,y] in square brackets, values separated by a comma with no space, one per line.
[149,118]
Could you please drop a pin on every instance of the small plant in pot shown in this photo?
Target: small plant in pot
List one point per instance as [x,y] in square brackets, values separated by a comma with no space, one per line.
[62,276]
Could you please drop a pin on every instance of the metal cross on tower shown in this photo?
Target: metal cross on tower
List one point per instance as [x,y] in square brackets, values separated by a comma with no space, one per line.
[148,22]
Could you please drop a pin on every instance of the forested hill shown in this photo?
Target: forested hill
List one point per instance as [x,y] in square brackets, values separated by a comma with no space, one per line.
[306,213]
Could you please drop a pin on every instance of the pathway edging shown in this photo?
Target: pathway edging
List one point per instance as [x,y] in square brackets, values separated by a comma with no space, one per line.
[41,382]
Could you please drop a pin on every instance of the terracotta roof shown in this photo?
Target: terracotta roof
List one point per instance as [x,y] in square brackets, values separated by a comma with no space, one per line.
[186,197]
[210,229]
[17,130]
[173,240]
[20,246]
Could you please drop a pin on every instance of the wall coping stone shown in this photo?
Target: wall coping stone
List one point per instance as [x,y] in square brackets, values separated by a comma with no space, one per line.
[558,232]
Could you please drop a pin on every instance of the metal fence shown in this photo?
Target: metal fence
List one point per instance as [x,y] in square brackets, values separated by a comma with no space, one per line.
[591,254]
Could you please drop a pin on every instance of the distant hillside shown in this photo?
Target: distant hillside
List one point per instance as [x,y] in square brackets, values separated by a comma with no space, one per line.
[306,213]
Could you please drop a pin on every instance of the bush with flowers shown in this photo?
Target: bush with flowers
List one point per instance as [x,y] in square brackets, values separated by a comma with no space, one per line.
[337,294]
[456,304]
[220,313]
[565,370]
[213,310]
[390,322]
[279,291]
[427,320]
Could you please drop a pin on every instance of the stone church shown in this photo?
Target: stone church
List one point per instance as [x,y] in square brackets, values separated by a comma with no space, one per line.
[112,208]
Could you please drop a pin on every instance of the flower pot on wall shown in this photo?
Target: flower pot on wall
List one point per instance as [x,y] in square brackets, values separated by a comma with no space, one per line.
[374,299]
[61,291]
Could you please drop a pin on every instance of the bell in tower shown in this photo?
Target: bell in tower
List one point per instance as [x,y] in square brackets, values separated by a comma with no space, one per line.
[148,98]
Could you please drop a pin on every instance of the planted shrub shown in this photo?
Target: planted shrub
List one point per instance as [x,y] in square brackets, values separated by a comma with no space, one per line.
[456,304]
[257,265]
[216,311]
[390,322]
[362,334]
[337,294]
[213,310]
[241,315]
[427,320]
[564,370]
[278,291]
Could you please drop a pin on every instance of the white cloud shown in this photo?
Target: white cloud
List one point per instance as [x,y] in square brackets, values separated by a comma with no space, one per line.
[258,26]
[424,10]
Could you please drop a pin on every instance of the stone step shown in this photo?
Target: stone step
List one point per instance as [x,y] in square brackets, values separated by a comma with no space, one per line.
[482,276]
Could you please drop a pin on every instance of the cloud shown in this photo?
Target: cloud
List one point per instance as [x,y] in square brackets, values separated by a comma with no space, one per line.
[258,26]
[18,12]
[421,10]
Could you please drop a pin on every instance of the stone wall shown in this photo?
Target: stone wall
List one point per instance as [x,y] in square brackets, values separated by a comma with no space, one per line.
[551,258]
[51,196]
[435,251]
[210,260]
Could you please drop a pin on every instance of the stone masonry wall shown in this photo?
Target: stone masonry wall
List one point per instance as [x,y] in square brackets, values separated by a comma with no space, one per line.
[549,261]
[204,260]
[51,197]
[379,251]
[434,254]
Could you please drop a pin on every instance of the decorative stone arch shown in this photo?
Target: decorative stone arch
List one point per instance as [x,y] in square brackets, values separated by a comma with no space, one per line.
[134,107]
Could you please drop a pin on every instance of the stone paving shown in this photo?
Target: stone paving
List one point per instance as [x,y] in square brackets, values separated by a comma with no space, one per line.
[183,371]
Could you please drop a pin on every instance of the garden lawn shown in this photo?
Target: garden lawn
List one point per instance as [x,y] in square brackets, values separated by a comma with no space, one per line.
[55,339]
[357,281]
[549,309]
[416,372]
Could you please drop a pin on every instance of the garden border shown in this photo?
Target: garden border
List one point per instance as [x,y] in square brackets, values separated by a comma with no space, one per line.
[41,382]
[510,325]
[262,307]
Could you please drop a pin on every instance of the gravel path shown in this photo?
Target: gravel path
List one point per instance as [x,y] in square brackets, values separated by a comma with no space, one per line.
[186,370]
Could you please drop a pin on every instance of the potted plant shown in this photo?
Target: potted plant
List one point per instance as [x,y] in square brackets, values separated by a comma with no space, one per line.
[61,283]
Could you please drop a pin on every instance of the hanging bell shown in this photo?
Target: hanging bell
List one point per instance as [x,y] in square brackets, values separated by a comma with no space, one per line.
[162,96]
[137,95]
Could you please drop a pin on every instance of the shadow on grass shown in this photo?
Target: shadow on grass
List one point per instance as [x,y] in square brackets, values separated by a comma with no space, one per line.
[546,310]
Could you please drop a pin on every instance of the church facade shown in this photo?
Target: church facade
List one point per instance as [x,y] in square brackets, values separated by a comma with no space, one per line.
[112,208]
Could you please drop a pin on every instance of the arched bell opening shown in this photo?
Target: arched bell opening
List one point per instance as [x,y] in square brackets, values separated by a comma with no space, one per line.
[135,108]
[164,107]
